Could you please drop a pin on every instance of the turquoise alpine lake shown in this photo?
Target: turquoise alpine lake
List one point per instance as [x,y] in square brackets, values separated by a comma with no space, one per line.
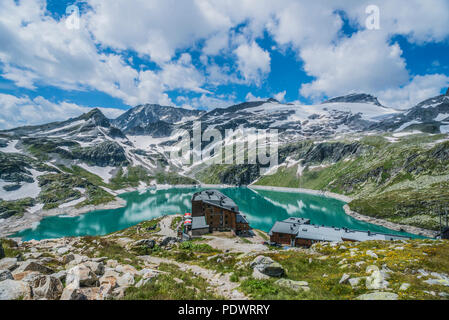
[261,207]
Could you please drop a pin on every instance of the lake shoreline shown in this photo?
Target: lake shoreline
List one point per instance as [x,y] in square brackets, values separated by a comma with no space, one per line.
[390,225]
[380,222]
[28,220]
[326,194]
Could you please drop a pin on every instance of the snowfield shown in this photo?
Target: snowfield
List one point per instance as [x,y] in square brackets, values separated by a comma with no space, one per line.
[441,116]
[69,126]
[27,190]
[369,112]
[444,129]
[36,208]
[103,172]
[72,203]
[145,142]
[11,147]
[405,125]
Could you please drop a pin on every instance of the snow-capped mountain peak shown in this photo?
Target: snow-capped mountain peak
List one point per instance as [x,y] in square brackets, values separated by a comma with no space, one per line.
[96,117]
[356,98]
[153,119]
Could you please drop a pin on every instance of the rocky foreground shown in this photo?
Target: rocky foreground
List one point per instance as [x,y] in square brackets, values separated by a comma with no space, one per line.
[147,262]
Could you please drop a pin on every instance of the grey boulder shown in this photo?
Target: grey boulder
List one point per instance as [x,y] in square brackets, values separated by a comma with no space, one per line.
[31,265]
[378,296]
[81,276]
[47,287]
[5,275]
[267,266]
[8,264]
[148,243]
[71,292]
[294,285]
[14,290]
[168,241]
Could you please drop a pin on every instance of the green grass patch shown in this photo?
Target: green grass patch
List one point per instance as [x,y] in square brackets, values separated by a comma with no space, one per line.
[9,248]
[284,177]
[175,222]
[197,247]
[177,285]
[15,208]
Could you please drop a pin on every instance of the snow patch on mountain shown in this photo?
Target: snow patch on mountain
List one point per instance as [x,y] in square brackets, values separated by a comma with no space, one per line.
[407,133]
[367,111]
[444,129]
[36,208]
[69,126]
[103,172]
[11,147]
[442,116]
[26,190]
[148,142]
[72,203]
[407,124]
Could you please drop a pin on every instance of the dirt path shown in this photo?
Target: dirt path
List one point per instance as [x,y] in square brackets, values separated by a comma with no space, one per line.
[165,225]
[219,282]
[236,244]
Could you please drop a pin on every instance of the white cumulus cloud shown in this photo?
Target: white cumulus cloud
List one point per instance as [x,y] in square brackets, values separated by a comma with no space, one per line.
[417,90]
[253,62]
[364,62]
[21,111]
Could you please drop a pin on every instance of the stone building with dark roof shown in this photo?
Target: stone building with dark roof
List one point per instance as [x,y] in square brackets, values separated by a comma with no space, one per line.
[299,232]
[219,211]
[199,226]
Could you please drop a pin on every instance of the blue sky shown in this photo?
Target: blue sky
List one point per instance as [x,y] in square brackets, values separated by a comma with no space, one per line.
[208,54]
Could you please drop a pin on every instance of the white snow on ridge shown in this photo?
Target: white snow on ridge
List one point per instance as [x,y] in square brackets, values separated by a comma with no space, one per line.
[64,148]
[435,102]
[11,147]
[444,129]
[405,125]
[72,203]
[144,142]
[367,111]
[27,190]
[441,116]
[185,119]
[407,133]
[103,172]
[392,140]
[36,208]
[81,190]
[70,125]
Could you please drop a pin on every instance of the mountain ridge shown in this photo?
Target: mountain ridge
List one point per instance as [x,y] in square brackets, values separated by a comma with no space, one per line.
[48,164]
[356,97]
[138,120]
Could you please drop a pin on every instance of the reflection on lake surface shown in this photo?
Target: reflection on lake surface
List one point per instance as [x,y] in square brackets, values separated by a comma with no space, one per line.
[262,208]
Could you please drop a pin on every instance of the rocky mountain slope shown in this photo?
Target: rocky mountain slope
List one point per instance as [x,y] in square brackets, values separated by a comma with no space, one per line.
[352,144]
[300,121]
[153,119]
[144,262]
[356,97]
[73,163]
[402,179]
